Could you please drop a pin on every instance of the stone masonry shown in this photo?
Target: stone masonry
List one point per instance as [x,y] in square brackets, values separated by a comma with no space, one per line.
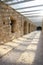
[13,24]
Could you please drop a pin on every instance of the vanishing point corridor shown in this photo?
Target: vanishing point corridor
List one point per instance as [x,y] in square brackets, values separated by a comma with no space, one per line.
[21,32]
[26,50]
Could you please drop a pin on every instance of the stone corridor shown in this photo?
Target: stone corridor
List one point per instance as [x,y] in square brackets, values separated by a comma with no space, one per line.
[26,50]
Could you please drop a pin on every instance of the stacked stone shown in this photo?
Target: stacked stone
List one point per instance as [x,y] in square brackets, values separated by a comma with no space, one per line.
[7,14]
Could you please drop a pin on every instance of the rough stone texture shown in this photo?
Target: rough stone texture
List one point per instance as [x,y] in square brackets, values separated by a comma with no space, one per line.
[8,14]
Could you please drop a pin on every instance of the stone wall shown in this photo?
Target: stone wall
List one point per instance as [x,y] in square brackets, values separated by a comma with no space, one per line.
[12,23]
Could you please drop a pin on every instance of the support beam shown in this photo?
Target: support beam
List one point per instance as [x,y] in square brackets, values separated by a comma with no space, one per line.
[30,11]
[29,7]
[32,16]
[19,2]
[6,0]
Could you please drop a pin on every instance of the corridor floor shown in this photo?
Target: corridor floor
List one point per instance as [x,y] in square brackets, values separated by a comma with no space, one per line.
[26,50]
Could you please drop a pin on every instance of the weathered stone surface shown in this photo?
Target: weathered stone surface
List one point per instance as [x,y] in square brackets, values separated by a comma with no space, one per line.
[12,23]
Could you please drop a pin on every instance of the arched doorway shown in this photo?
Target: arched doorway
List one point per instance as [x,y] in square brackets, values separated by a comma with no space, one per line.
[29,28]
[39,28]
[25,27]
[13,25]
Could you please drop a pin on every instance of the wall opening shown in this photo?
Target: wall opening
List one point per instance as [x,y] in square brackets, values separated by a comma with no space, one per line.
[25,27]
[29,28]
[39,28]
[13,25]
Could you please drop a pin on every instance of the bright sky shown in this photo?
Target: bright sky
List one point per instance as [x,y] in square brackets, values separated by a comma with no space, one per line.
[28,4]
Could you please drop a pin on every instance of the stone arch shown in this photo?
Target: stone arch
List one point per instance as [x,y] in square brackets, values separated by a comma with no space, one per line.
[28,27]
[13,25]
[25,27]
[39,28]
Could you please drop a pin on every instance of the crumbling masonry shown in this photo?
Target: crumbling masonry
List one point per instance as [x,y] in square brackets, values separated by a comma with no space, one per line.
[13,24]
